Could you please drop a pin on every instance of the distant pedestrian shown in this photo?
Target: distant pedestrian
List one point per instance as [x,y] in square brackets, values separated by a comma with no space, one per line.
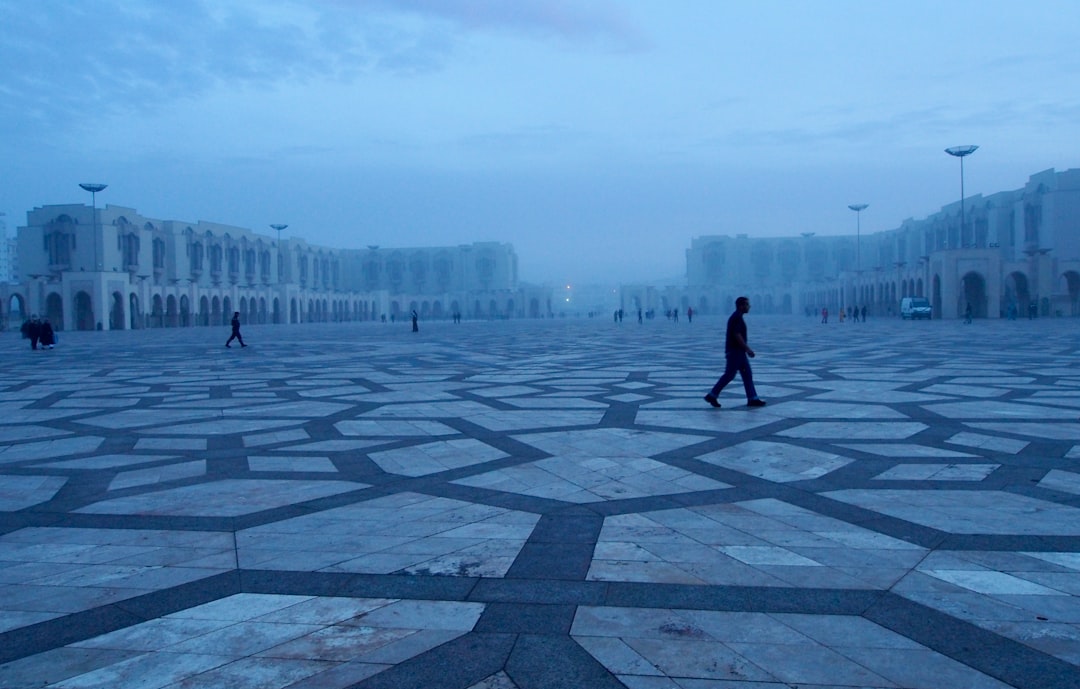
[639,316]
[415,324]
[235,323]
[862,316]
[737,354]
[675,314]
[967,313]
[689,314]
[824,314]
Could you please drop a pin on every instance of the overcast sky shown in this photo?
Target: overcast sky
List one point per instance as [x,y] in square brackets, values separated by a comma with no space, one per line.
[597,136]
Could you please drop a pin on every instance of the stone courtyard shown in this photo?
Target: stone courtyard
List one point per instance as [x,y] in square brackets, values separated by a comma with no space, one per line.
[541,505]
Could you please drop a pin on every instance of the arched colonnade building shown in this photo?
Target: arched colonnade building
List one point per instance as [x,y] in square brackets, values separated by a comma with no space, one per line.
[1015,252]
[122,270]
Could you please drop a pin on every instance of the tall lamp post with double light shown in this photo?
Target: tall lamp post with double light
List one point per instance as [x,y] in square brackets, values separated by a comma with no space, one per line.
[961,152]
[94,188]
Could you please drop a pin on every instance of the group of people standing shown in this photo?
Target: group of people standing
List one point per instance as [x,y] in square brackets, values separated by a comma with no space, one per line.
[852,312]
[39,331]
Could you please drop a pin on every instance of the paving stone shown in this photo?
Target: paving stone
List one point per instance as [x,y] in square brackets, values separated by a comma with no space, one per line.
[537,504]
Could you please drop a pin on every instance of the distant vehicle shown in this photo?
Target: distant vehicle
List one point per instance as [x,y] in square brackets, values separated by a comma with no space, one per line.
[915,307]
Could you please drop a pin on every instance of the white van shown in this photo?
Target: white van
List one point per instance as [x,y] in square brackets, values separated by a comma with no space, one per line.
[915,307]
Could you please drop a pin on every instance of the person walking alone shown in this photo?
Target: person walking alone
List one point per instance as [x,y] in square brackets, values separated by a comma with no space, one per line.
[235,330]
[738,354]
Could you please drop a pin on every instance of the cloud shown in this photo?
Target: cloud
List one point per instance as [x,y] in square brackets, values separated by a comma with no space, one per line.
[574,21]
[63,62]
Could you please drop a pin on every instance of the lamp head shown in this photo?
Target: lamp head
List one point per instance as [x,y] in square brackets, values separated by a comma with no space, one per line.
[961,151]
[858,206]
[93,188]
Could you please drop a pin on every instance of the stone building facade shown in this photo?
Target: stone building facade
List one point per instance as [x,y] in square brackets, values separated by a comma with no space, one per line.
[1010,253]
[116,269]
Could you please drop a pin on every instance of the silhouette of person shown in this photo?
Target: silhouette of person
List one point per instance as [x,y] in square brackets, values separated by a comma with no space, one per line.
[47,336]
[737,354]
[32,330]
[415,326]
[235,323]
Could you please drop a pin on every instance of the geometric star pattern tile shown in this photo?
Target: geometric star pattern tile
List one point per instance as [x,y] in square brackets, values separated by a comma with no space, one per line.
[527,503]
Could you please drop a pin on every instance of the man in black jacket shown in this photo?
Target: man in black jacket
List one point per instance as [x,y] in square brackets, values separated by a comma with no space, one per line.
[235,330]
[738,355]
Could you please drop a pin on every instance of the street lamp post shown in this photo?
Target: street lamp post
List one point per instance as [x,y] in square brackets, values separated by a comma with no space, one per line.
[94,188]
[858,208]
[279,228]
[961,152]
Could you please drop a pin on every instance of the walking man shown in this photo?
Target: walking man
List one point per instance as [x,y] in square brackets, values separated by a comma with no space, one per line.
[738,355]
[235,330]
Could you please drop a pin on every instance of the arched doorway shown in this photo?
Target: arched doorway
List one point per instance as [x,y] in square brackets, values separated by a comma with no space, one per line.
[54,310]
[1072,288]
[84,311]
[172,314]
[135,311]
[116,313]
[16,309]
[185,311]
[974,294]
[1017,294]
[157,312]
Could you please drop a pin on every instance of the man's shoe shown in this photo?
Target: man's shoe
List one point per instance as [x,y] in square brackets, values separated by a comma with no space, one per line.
[756,403]
[712,400]
[228,347]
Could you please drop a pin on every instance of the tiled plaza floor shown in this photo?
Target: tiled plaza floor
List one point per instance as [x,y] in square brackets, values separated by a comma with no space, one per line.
[540,505]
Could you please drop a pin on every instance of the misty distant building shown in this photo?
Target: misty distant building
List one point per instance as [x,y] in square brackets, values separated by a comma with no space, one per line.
[123,270]
[1015,251]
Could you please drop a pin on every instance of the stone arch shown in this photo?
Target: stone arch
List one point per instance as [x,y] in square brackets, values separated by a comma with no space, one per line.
[157,312]
[17,308]
[277,311]
[84,311]
[54,310]
[973,292]
[215,311]
[294,311]
[116,313]
[185,311]
[1017,293]
[172,313]
[204,311]
[135,311]
[1071,278]
[226,311]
